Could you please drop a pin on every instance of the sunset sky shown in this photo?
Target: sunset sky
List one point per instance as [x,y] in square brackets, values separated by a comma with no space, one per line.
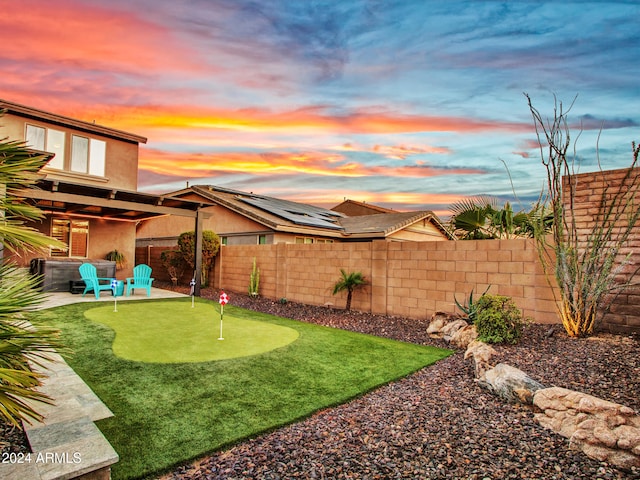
[405,104]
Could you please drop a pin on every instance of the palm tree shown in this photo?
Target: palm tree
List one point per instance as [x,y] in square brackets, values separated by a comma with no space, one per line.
[349,282]
[21,345]
[479,217]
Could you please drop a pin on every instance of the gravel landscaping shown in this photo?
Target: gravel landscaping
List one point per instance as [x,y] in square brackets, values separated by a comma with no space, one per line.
[437,423]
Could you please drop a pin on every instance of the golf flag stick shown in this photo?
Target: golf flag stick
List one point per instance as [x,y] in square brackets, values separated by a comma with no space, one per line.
[224,298]
[221,316]
[114,289]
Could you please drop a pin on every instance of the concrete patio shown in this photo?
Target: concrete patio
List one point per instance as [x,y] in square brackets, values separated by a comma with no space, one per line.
[67,444]
[56,299]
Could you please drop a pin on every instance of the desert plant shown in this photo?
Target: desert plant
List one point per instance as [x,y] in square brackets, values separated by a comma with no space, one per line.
[586,265]
[470,307]
[498,320]
[173,262]
[118,257]
[254,279]
[349,282]
[210,247]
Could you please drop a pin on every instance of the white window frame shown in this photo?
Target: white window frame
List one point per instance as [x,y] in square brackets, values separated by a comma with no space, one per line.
[47,140]
[88,155]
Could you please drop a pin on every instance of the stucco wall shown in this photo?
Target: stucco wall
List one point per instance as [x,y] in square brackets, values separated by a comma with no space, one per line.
[121,164]
[104,236]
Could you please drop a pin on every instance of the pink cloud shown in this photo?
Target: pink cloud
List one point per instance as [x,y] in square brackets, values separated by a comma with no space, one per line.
[77,35]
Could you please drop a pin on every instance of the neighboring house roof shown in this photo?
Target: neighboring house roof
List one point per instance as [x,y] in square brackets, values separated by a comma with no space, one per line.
[287,216]
[41,115]
[385,223]
[386,219]
[277,214]
[352,208]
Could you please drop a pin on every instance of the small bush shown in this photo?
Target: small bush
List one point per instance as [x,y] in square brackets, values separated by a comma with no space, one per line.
[498,320]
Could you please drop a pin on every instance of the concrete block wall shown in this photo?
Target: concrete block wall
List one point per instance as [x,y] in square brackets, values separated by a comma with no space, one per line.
[590,190]
[411,279]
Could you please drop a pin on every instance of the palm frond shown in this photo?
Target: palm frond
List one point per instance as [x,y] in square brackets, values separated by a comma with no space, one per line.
[473,203]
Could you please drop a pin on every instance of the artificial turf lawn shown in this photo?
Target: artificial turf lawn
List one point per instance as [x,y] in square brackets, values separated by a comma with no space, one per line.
[166,414]
[181,333]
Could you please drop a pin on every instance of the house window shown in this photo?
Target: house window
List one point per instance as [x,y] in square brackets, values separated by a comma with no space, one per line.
[304,240]
[48,140]
[262,239]
[87,155]
[73,233]
[224,240]
[35,137]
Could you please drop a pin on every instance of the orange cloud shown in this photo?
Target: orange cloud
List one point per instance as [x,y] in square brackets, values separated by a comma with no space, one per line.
[310,163]
[401,201]
[317,120]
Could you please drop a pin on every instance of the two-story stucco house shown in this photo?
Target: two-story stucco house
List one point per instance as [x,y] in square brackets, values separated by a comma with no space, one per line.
[88,188]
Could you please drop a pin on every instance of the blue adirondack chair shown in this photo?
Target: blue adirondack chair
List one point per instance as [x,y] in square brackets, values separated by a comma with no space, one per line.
[141,279]
[92,282]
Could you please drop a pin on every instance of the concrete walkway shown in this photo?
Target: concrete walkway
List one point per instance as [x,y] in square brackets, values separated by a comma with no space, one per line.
[56,299]
[67,444]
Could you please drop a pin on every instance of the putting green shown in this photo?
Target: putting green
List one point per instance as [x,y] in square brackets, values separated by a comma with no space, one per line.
[174,332]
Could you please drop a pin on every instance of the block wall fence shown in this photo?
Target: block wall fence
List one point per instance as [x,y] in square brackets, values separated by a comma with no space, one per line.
[589,188]
[409,279]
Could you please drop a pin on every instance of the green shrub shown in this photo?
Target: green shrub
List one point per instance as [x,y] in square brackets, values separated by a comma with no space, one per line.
[210,247]
[498,320]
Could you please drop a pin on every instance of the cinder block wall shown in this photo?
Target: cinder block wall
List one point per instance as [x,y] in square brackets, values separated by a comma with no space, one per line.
[411,279]
[589,188]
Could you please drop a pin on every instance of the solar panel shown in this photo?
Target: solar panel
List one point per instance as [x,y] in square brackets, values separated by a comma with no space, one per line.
[297,213]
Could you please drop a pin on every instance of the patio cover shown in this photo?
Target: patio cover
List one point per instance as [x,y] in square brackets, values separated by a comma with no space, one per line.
[58,196]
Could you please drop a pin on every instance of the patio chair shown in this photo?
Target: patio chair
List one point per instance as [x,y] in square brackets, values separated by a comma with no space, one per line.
[141,279]
[91,280]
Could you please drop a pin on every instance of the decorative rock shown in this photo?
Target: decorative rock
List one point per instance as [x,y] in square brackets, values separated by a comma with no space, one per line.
[603,430]
[450,329]
[438,321]
[464,336]
[481,353]
[510,383]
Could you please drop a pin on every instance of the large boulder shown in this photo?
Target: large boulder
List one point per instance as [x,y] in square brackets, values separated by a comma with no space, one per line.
[510,383]
[603,430]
